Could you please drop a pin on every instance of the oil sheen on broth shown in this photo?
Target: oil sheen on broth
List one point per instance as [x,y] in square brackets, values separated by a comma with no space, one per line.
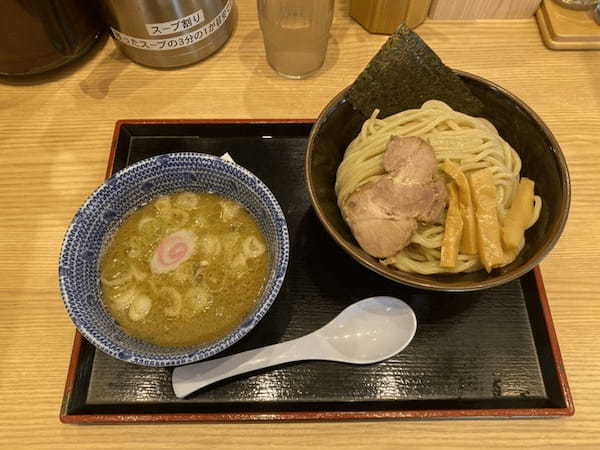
[185,269]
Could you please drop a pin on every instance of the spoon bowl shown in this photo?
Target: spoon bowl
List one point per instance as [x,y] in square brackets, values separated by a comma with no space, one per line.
[366,332]
[369,331]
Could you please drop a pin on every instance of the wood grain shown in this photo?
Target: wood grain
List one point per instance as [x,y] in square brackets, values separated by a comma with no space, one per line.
[384,16]
[567,29]
[482,9]
[55,139]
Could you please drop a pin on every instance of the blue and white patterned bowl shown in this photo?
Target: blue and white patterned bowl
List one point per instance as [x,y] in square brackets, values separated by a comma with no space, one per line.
[79,266]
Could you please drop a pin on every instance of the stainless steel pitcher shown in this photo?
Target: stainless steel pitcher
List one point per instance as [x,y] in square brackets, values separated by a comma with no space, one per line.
[169,33]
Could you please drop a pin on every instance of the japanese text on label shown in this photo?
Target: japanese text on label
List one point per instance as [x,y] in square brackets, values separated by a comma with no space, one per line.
[176,25]
[184,40]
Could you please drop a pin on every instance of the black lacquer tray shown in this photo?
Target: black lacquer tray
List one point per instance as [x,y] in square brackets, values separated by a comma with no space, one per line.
[491,353]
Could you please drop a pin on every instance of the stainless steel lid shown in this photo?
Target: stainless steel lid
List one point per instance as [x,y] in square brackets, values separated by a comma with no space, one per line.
[577,4]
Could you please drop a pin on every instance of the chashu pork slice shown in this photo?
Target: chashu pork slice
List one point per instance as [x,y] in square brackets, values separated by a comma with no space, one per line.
[378,230]
[383,215]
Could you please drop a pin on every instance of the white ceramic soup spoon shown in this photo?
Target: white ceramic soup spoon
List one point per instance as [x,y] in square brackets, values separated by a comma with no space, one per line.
[366,332]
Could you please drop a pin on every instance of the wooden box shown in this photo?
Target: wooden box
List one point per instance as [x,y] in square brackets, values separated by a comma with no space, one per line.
[384,16]
[482,9]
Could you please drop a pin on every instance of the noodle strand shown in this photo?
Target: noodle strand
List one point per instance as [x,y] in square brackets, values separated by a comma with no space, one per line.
[473,143]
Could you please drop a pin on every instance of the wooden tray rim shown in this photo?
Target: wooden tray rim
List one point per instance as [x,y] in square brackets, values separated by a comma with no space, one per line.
[568,410]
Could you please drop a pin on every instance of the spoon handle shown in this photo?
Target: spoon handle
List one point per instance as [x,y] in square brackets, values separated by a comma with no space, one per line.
[187,379]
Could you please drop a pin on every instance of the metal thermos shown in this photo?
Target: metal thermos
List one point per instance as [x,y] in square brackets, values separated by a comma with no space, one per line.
[40,35]
[169,33]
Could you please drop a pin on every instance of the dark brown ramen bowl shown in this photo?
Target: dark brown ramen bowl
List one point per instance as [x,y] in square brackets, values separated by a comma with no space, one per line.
[339,123]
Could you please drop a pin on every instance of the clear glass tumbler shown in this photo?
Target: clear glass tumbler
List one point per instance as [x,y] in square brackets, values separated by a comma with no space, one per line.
[295,33]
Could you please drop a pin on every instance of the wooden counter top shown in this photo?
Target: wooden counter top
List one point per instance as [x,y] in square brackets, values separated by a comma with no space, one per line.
[55,134]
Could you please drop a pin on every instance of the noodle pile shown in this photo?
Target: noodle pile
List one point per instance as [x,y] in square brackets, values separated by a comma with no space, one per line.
[472,143]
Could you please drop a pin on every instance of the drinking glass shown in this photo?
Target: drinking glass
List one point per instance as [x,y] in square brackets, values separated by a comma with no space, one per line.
[295,33]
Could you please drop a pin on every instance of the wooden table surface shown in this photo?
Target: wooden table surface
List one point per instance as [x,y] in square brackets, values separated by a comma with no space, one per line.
[55,134]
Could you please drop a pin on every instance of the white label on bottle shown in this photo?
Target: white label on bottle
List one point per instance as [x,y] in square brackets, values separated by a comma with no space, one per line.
[176,25]
[184,40]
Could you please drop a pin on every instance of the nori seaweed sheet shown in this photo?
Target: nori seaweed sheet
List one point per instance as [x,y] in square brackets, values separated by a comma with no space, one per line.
[404,74]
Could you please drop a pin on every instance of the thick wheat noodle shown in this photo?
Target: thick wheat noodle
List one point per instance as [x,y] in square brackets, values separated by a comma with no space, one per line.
[471,142]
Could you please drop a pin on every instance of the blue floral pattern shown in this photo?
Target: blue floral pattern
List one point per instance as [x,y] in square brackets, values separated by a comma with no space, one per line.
[127,190]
